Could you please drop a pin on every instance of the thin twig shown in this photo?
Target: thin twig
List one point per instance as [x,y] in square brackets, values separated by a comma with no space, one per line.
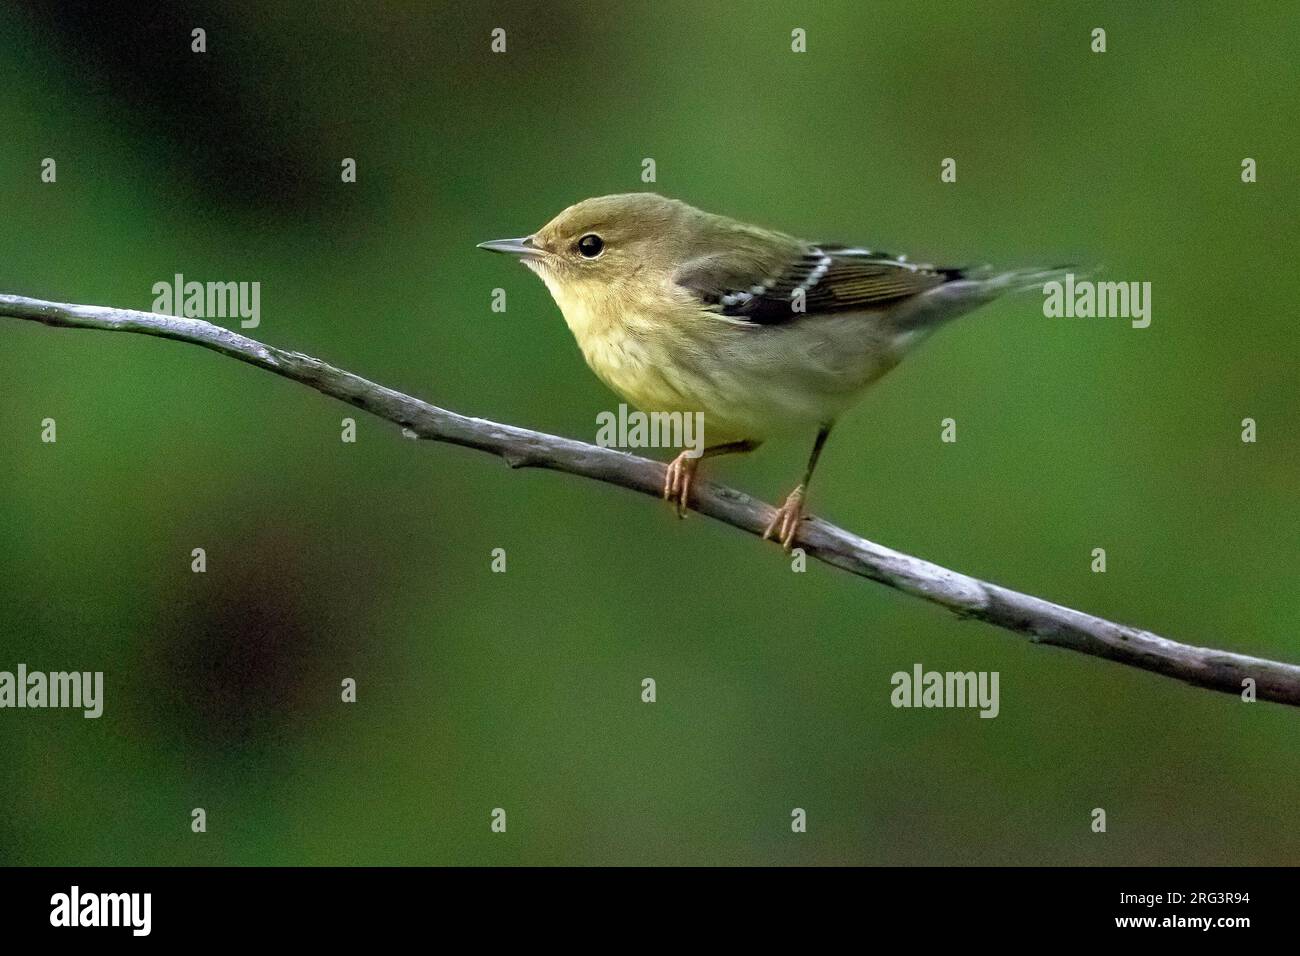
[1042,621]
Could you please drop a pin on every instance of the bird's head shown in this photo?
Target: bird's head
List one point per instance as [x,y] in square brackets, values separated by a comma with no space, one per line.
[605,243]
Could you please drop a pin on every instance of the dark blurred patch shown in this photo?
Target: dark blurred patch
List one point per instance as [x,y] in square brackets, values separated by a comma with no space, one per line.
[235,662]
[226,117]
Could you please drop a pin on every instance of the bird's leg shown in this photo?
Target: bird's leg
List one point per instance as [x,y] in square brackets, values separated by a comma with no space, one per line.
[785,520]
[681,471]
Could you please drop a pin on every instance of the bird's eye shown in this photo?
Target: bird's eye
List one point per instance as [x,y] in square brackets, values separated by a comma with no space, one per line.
[591,245]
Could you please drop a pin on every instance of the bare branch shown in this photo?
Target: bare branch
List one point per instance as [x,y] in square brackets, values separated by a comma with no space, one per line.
[1040,620]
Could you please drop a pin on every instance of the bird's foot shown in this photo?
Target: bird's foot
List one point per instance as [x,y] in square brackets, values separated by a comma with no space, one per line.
[677,481]
[785,520]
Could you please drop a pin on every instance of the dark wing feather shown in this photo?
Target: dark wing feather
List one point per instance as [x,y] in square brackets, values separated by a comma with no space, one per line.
[814,280]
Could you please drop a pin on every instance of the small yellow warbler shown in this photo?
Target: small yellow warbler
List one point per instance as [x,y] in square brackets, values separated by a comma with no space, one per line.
[680,310]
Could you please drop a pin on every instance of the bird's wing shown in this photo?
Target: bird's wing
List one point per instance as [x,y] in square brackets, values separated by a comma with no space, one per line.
[810,280]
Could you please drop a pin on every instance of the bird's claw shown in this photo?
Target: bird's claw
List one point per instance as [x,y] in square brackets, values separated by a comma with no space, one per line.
[785,520]
[677,482]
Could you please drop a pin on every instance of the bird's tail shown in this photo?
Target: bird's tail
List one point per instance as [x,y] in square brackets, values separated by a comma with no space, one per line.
[1019,280]
[968,289]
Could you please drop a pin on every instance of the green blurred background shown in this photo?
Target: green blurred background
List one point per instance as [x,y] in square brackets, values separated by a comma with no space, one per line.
[481,690]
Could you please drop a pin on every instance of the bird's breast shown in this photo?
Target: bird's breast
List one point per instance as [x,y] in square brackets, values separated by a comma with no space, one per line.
[636,361]
[749,381]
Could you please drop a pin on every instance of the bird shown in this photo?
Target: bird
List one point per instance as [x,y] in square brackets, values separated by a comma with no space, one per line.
[679,310]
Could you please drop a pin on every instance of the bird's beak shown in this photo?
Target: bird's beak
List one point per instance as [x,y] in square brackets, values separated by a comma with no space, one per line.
[523,248]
